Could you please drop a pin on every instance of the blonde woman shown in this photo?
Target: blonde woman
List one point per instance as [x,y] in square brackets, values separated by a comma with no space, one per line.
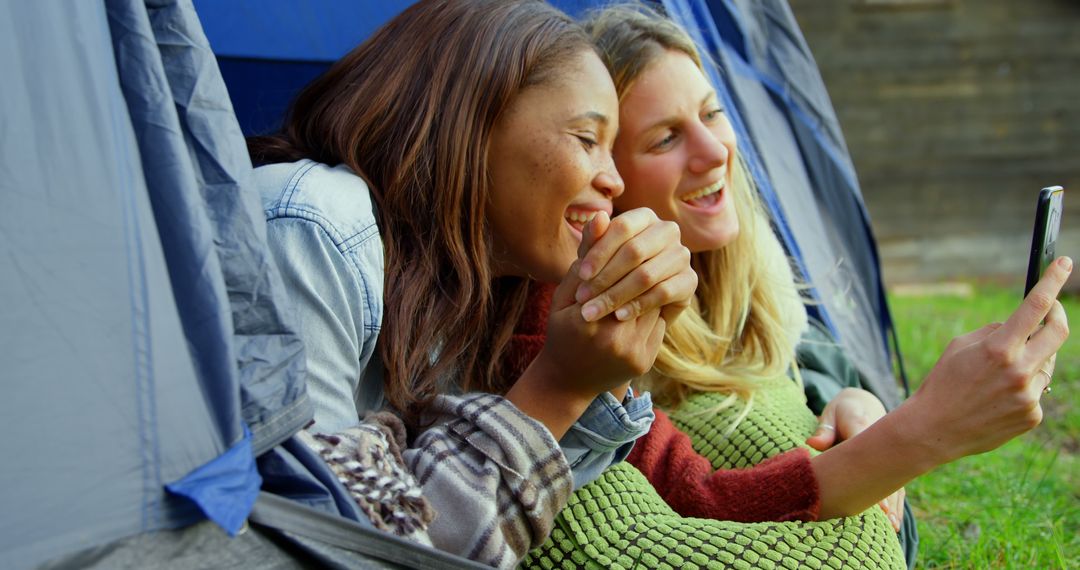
[722,372]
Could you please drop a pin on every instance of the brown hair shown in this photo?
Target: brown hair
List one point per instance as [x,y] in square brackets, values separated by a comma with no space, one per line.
[412,110]
[748,315]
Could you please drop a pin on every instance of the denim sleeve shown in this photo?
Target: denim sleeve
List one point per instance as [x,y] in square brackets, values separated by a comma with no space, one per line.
[605,434]
[338,310]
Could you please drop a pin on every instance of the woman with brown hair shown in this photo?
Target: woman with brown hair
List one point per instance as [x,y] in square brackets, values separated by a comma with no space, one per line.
[414,187]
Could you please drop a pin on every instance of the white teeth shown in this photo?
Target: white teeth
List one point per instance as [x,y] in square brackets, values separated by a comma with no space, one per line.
[582,217]
[710,189]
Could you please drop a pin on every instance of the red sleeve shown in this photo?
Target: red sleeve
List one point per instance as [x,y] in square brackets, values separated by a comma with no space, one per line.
[529,333]
[781,488]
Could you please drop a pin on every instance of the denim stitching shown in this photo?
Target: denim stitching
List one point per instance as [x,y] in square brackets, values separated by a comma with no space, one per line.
[294,183]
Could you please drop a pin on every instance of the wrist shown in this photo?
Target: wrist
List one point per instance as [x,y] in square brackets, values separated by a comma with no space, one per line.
[922,445]
[619,392]
[543,393]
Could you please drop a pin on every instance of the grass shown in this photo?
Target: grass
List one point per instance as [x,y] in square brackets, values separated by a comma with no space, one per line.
[1017,506]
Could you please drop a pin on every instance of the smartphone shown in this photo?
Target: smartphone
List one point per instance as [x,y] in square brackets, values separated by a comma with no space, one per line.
[1047,224]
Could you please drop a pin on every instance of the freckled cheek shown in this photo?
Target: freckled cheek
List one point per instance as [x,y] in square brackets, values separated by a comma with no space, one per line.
[542,207]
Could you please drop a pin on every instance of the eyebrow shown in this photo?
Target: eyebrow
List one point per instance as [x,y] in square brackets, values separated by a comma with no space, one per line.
[668,121]
[595,116]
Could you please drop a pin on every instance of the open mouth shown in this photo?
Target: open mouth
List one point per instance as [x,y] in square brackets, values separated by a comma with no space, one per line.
[706,198]
[578,218]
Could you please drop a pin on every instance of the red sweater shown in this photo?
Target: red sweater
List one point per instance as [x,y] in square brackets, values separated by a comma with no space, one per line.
[781,488]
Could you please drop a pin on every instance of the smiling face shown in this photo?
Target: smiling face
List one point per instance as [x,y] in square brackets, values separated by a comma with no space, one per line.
[551,169]
[676,152]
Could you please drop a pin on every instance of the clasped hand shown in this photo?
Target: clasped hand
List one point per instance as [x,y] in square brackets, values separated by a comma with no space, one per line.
[609,314]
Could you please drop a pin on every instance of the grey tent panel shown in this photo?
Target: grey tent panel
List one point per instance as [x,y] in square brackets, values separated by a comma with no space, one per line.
[833,231]
[833,267]
[91,340]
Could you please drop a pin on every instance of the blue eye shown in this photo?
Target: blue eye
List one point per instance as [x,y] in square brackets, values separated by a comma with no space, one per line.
[713,114]
[665,142]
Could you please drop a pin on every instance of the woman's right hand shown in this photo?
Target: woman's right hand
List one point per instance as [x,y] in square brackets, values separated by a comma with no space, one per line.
[636,263]
[986,388]
[581,359]
[983,392]
[598,355]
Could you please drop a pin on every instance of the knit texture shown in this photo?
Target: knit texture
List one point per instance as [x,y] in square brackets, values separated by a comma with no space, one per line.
[781,488]
[619,521]
[367,460]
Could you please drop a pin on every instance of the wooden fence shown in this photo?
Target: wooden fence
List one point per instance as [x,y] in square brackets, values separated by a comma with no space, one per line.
[956,112]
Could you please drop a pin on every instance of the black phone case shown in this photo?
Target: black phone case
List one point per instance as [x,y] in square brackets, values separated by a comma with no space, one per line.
[1044,237]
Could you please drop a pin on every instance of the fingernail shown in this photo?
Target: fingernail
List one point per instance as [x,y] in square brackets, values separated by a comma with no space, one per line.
[585,272]
[622,314]
[1066,263]
[582,294]
[589,312]
[895,523]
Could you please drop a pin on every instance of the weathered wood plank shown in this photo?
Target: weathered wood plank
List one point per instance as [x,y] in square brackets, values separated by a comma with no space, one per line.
[956,113]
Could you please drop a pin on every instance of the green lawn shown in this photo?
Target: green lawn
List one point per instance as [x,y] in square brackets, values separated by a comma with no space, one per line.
[1015,507]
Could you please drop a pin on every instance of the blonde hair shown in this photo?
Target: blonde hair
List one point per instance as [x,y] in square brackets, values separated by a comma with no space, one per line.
[747,316]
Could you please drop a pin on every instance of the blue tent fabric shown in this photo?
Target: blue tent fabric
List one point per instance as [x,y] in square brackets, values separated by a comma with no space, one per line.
[209,227]
[226,488]
[290,41]
[229,295]
[268,49]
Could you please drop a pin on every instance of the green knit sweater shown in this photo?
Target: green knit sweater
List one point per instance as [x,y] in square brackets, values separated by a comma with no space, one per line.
[619,521]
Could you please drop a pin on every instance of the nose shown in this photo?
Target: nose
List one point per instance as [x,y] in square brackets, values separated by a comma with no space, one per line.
[707,152]
[608,181]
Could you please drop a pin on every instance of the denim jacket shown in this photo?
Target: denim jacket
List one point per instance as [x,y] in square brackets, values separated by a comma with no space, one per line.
[322,231]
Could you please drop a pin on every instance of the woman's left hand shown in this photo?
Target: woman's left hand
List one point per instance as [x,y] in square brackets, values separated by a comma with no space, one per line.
[638,264]
[850,412]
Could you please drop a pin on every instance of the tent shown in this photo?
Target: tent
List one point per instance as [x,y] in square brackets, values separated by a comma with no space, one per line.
[155,380]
